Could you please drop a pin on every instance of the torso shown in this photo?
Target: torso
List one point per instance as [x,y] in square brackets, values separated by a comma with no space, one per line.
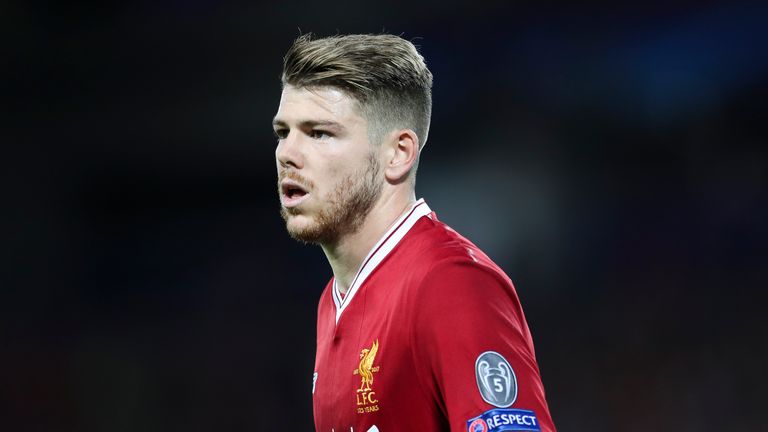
[372,373]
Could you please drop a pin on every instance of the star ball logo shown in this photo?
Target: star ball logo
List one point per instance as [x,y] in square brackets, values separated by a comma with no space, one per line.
[365,396]
[497,420]
[477,426]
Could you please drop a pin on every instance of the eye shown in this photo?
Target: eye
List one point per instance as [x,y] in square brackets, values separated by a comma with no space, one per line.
[281,133]
[319,134]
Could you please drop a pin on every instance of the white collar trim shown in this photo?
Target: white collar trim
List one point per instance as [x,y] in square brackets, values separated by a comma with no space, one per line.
[380,251]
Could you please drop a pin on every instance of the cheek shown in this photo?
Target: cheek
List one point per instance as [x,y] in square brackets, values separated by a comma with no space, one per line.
[329,181]
[339,168]
[333,173]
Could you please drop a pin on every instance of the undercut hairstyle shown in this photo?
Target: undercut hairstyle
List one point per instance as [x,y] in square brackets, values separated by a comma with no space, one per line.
[384,73]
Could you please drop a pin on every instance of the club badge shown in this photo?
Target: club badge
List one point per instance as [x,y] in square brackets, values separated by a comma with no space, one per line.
[495,379]
[365,395]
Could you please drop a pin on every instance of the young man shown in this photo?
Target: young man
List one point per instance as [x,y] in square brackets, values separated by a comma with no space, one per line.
[418,330]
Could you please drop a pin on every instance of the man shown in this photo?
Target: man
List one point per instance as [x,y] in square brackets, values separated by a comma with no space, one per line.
[418,330]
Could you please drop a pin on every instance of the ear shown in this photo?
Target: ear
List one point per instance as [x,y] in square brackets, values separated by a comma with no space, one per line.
[401,153]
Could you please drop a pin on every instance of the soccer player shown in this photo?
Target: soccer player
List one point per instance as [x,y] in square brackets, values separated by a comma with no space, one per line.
[418,330]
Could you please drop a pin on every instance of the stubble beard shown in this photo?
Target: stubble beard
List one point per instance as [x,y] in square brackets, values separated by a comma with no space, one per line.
[345,209]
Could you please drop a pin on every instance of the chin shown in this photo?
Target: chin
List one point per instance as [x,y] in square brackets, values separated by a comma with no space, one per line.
[302,229]
[297,223]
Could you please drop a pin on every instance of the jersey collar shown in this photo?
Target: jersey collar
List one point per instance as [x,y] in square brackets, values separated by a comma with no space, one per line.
[388,241]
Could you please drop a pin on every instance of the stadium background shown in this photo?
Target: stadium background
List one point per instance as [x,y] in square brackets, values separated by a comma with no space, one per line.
[612,159]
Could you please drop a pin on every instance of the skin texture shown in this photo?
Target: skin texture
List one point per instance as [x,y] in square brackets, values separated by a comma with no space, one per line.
[355,189]
[327,143]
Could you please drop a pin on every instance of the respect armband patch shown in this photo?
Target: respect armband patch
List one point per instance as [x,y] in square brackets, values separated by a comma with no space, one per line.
[504,420]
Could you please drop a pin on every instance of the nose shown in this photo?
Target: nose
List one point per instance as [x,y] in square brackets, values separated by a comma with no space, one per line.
[289,153]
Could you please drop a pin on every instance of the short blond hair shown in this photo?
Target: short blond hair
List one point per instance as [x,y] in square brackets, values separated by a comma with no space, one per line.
[384,73]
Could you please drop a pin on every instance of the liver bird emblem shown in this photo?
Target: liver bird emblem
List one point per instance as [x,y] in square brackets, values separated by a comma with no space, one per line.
[366,366]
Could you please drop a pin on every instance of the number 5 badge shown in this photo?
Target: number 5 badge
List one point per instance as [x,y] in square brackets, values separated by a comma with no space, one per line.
[495,379]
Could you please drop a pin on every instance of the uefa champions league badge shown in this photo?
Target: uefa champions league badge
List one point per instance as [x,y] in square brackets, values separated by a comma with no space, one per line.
[495,379]
[504,420]
[498,386]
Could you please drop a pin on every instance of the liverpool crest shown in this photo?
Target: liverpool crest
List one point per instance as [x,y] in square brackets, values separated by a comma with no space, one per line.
[366,397]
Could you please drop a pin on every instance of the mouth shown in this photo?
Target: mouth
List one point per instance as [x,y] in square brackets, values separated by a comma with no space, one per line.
[292,193]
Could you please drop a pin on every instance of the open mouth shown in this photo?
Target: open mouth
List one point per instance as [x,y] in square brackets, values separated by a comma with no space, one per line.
[292,193]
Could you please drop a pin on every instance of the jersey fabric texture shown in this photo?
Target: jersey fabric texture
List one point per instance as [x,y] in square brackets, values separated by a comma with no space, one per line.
[430,336]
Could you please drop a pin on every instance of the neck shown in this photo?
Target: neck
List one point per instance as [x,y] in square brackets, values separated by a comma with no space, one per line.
[347,254]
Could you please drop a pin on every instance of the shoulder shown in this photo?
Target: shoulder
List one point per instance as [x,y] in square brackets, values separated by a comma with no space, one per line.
[464,286]
[453,272]
[440,254]
[464,299]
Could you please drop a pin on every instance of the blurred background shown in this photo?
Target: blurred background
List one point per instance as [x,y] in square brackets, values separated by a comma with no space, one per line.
[611,158]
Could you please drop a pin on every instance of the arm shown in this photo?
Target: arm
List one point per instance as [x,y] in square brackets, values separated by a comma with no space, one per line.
[474,351]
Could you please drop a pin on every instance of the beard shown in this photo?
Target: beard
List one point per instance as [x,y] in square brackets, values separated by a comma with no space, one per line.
[344,210]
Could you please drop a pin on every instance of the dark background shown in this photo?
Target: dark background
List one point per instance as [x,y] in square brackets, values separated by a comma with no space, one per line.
[611,158]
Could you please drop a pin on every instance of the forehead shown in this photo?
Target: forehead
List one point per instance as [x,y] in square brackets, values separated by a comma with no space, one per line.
[298,104]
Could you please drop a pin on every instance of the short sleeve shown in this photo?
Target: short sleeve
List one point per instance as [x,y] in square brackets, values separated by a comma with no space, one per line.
[473,350]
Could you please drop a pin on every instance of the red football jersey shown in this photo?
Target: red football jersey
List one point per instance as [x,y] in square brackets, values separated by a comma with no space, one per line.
[429,337]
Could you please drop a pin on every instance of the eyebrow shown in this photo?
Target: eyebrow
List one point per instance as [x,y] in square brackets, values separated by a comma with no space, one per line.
[310,124]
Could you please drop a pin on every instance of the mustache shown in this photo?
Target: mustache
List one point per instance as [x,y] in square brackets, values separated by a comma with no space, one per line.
[298,178]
